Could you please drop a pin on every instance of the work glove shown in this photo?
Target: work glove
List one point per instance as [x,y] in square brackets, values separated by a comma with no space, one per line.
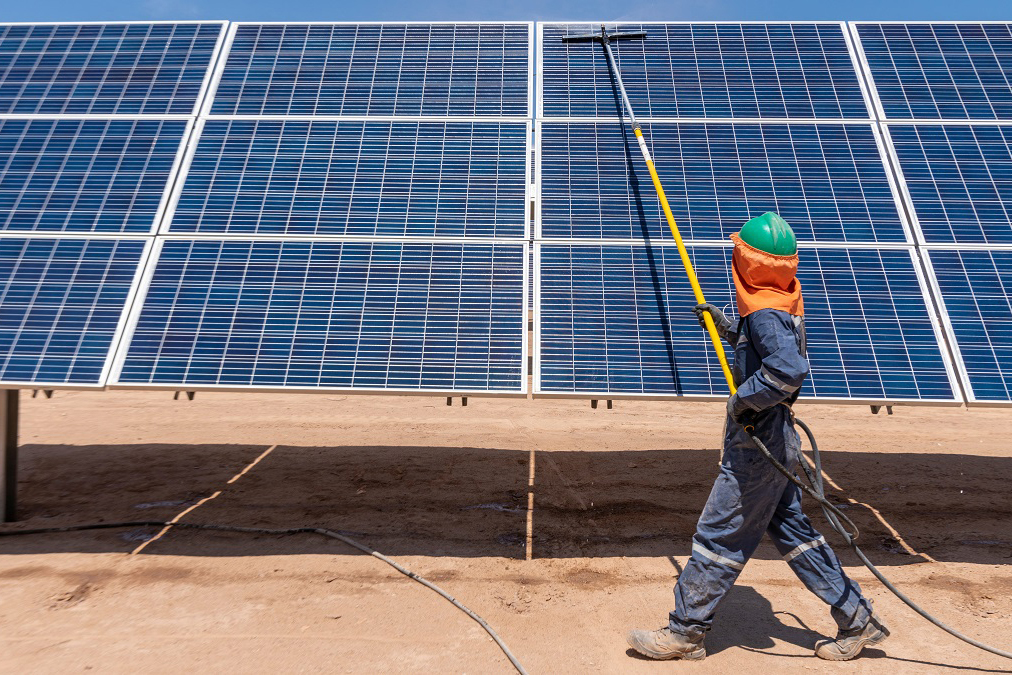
[739,412]
[724,327]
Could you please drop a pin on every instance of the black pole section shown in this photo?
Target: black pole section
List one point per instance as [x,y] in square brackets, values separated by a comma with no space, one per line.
[9,458]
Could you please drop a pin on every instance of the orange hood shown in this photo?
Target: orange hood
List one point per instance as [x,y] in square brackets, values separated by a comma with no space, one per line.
[764,280]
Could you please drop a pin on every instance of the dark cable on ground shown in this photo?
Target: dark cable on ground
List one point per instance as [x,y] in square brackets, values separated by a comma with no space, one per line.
[846,528]
[295,530]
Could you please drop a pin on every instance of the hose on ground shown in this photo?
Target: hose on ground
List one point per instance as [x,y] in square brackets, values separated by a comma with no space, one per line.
[848,530]
[288,531]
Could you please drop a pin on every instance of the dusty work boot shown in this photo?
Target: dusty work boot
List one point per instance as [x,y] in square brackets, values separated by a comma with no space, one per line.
[849,643]
[664,644]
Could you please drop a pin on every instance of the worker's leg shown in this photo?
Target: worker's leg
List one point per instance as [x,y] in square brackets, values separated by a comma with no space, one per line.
[733,521]
[815,563]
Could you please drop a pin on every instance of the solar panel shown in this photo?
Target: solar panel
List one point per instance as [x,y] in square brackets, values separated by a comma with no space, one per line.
[407,317]
[372,178]
[712,70]
[61,303]
[940,70]
[828,180]
[432,69]
[976,293]
[105,68]
[86,175]
[616,320]
[959,178]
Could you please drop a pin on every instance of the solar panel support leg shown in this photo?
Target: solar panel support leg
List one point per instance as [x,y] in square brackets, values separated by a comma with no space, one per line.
[9,458]
[593,404]
[876,408]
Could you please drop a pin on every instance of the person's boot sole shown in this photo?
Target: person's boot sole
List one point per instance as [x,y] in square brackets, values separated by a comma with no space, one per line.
[878,638]
[697,655]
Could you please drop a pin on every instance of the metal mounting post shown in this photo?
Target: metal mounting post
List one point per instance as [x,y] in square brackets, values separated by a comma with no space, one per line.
[9,456]
[876,408]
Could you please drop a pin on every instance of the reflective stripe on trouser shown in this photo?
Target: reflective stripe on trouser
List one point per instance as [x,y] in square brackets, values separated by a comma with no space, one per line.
[748,499]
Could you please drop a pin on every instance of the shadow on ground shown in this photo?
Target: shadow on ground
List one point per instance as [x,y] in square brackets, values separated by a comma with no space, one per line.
[465,502]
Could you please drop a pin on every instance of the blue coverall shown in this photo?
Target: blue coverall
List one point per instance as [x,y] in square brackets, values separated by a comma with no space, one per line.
[751,497]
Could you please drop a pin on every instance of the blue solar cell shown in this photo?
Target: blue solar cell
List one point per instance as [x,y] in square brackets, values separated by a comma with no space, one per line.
[305,314]
[61,301]
[774,70]
[960,180]
[976,289]
[352,177]
[617,320]
[121,68]
[941,70]
[377,69]
[828,180]
[74,175]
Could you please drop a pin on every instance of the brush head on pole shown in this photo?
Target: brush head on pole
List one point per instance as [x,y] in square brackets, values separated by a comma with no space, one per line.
[602,36]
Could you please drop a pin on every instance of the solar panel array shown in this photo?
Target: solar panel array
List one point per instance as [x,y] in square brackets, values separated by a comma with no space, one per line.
[788,128]
[94,118]
[945,92]
[347,206]
[352,215]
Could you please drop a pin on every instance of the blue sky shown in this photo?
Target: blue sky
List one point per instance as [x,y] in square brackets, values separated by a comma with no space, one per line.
[430,10]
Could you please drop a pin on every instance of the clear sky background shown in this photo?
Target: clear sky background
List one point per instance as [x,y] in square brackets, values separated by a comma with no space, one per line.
[527,10]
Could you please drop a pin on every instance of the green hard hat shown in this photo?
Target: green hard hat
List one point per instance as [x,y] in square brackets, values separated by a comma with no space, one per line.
[770,233]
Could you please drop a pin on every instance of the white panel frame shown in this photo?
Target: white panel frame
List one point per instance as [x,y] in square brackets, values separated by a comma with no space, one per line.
[148,275]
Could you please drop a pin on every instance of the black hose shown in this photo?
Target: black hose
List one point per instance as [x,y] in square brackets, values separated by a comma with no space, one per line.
[295,530]
[846,528]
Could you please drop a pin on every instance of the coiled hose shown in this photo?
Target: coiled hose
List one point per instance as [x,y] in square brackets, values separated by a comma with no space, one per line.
[848,530]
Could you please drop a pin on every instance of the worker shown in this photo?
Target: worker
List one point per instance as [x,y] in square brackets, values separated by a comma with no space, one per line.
[750,496]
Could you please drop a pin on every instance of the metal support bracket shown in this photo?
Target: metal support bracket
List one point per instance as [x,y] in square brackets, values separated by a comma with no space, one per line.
[9,456]
[875,409]
[463,400]
[189,395]
[48,393]
[593,403]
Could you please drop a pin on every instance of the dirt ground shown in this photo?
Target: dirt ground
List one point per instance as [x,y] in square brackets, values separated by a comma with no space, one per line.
[444,491]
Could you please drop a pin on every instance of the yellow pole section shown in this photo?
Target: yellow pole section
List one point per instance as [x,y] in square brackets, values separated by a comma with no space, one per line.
[693,281]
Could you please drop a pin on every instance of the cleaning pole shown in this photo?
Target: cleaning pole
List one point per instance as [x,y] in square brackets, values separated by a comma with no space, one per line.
[606,39]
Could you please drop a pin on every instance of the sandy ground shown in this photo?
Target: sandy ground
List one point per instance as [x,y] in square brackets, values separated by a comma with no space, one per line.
[444,490]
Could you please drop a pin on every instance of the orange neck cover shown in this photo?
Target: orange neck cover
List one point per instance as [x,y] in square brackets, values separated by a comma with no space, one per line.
[764,280]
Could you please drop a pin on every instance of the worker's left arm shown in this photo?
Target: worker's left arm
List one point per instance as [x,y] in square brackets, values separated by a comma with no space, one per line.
[784,368]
